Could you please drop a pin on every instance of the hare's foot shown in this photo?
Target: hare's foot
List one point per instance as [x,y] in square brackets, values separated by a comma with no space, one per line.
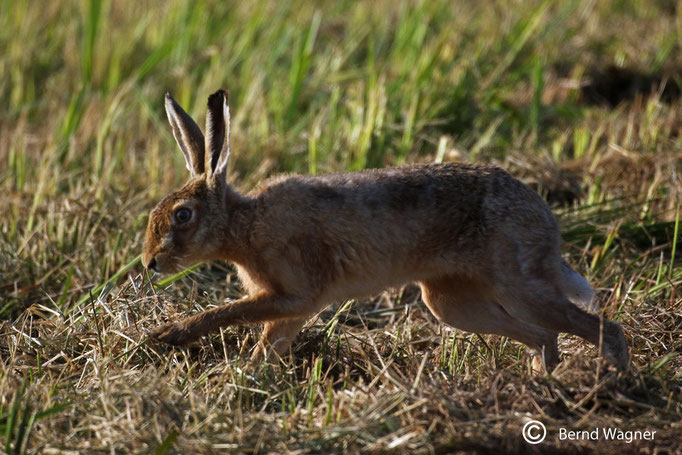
[615,347]
[546,358]
[174,333]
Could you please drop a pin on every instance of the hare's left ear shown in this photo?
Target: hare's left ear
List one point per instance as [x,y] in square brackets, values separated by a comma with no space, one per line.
[188,136]
[217,135]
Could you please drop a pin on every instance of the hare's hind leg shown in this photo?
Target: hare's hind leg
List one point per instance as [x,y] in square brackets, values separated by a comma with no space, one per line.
[277,338]
[576,288]
[539,302]
[468,305]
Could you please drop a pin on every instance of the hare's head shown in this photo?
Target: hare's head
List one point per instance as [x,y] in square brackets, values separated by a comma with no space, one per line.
[185,227]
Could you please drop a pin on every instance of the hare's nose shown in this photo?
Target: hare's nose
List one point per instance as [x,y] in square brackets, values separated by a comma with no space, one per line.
[152,265]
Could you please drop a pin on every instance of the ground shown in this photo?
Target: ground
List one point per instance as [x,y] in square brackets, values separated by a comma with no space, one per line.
[579,99]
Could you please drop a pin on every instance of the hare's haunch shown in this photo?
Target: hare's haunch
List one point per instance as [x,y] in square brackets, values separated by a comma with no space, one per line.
[484,247]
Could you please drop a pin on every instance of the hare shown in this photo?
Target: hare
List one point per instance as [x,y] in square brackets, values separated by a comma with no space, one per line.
[484,247]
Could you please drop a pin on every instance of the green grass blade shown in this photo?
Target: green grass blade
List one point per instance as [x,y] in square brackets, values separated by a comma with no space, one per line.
[675,238]
[167,443]
[92,26]
[110,282]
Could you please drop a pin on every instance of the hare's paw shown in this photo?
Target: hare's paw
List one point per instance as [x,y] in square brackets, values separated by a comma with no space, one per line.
[173,333]
[615,346]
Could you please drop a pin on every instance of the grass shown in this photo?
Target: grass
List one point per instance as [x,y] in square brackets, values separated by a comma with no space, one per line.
[579,99]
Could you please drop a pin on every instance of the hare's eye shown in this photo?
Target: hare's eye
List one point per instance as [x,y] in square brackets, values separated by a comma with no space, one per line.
[183,215]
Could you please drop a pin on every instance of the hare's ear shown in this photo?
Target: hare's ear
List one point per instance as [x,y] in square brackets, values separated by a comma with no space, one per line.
[188,136]
[218,135]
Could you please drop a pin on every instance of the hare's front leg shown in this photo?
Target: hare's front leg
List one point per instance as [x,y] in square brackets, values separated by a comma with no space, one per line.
[258,308]
[276,339]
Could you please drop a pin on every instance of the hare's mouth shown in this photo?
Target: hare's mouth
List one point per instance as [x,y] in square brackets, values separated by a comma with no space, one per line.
[165,265]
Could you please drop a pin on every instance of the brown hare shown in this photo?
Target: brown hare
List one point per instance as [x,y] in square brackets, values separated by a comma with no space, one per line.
[484,247]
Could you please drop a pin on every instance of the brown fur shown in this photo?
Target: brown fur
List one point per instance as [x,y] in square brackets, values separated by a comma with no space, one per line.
[483,246]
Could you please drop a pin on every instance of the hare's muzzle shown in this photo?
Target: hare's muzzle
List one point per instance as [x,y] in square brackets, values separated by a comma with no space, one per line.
[151,264]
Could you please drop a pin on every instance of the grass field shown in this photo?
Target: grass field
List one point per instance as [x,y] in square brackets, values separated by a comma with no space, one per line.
[579,98]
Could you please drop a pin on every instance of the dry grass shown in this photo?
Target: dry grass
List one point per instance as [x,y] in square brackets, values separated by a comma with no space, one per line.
[85,153]
[374,377]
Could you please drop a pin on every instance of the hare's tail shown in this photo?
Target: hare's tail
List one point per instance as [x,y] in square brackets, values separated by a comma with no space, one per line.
[576,288]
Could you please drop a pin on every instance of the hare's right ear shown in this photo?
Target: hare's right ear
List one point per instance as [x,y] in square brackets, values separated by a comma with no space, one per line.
[217,135]
[188,136]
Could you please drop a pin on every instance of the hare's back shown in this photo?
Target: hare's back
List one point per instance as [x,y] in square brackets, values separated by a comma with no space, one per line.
[451,202]
[451,189]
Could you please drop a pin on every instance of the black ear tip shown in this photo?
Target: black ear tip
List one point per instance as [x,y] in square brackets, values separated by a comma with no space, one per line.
[169,101]
[217,97]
